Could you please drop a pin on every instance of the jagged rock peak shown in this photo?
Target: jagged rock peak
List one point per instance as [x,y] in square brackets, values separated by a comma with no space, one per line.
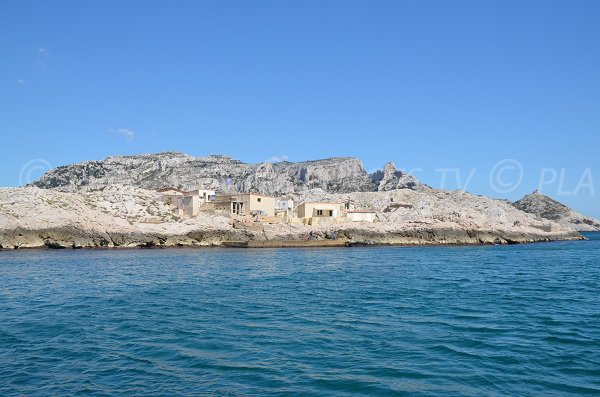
[391,178]
[389,169]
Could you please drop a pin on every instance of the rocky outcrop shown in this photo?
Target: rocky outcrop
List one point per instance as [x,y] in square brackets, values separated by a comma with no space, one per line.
[547,208]
[221,173]
[126,216]
[391,178]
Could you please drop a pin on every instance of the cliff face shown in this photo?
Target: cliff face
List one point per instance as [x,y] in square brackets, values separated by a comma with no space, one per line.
[335,175]
[548,208]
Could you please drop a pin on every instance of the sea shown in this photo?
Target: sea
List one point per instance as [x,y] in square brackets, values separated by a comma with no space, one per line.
[514,320]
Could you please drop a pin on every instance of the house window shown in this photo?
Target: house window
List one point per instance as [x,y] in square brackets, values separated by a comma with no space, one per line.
[258,199]
[319,212]
[330,212]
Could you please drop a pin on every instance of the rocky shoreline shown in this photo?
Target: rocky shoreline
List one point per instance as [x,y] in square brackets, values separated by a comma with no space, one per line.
[61,238]
[351,235]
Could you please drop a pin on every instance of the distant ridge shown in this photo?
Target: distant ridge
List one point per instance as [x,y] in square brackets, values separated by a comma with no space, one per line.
[222,173]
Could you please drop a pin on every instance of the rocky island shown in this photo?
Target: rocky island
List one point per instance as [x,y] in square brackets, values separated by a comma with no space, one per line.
[115,203]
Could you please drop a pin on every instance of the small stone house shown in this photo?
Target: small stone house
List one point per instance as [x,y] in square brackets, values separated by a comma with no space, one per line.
[246,204]
[187,203]
[314,213]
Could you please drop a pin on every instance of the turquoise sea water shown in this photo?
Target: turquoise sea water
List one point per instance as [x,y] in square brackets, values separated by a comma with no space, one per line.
[519,320]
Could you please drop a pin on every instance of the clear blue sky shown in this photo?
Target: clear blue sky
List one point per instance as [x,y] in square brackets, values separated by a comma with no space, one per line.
[429,85]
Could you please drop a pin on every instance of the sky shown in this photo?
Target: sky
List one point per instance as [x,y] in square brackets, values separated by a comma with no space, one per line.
[494,97]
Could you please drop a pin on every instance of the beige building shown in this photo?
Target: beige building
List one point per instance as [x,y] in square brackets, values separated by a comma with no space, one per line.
[187,206]
[313,213]
[246,204]
[322,209]
[361,216]
[187,203]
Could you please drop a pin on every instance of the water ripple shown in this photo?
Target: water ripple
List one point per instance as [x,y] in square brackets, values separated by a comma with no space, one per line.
[452,321]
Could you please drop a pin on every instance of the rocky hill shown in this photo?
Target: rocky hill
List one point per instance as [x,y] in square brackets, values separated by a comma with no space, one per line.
[126,216]
[224,174]
[548,208]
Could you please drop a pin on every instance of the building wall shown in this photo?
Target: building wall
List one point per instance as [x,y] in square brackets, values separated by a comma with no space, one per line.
[205,195]
[361,216]
[187,206]
[255,202]
[250,202]
[223,201]
[284,204]
[222,205]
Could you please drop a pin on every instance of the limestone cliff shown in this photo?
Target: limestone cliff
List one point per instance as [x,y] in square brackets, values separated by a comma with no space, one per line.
[221,173]
[548,208]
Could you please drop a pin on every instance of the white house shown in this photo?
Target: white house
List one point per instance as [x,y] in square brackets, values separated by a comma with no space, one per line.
[284,204]
[204,195]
